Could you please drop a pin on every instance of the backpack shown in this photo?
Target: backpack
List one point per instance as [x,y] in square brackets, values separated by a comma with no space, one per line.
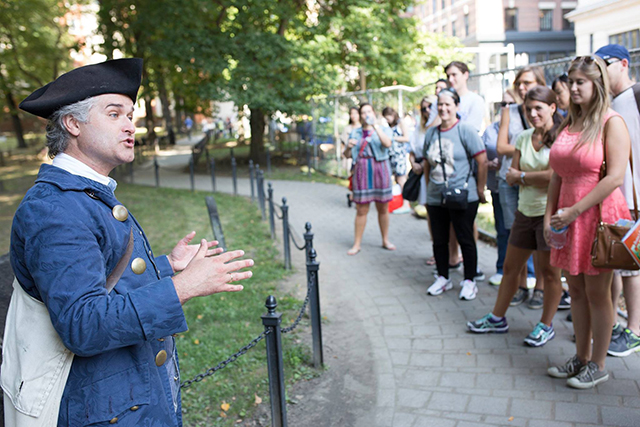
[636,95]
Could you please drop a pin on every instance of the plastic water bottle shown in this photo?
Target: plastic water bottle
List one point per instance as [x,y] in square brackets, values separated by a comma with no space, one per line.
[558,238]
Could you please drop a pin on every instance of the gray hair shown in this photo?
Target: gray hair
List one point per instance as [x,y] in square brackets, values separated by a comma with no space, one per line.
[57,134]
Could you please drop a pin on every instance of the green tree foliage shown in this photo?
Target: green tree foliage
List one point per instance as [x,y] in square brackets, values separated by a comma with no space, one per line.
[270,56]
[34,49]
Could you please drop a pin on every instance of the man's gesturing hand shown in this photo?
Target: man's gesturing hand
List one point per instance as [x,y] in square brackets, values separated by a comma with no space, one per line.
[183,253]
[206,275]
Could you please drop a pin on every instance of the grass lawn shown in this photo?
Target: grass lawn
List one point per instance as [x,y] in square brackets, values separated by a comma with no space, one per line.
[221,324]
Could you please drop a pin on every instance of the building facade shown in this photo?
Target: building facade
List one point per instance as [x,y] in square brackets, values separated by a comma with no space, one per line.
[600,22]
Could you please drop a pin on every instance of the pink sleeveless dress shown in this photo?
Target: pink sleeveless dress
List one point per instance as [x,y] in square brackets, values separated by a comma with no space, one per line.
[580,173]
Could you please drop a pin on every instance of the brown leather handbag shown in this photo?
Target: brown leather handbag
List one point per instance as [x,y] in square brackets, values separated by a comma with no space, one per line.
[608,251]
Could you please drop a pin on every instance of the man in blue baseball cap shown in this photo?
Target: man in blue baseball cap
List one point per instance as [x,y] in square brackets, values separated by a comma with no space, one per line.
[88,337]
[625,341]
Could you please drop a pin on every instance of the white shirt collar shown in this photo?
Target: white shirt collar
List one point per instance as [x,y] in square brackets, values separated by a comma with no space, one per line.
[76,167]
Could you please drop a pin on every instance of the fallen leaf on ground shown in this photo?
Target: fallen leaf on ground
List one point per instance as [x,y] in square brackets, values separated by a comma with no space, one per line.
[196,342]
[223,415]
[225,406]
[258,400]
[468,353]
[510,418]
[200,316]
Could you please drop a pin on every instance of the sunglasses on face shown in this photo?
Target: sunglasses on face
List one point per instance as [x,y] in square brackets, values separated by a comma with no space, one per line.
[610,61]
[505,103]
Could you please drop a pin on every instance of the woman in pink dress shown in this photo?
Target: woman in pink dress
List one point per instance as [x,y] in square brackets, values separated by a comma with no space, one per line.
[577,189]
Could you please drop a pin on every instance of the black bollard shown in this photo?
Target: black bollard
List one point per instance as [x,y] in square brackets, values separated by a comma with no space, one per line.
[272,214]
[251,180]
[271,322]
[212,169]
[261,201]
[314,306]
[157,170]
[131,173]
[285,234]
[234,175]
[308,240]
[192,174]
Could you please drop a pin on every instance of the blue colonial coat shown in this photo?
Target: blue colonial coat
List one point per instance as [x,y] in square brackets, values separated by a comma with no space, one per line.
[65,241]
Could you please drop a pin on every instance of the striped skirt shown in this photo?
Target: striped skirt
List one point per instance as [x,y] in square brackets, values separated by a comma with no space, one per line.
[371,181]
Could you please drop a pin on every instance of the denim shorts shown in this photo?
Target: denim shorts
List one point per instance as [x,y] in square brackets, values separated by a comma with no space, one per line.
[508,202]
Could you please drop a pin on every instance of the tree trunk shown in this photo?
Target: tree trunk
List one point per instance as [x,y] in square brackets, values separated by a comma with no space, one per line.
[13,110]
[166,111]
[148,121]
[178,111]
[257,134]
[363,77]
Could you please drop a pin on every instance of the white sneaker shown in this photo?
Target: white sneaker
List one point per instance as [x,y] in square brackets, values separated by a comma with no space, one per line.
[469,290]
[531,282]
[439,286]
[496,279]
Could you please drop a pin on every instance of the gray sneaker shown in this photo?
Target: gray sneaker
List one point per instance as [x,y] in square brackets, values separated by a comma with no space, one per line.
[537,299]
[624,344]
[520,297]
[570,368]
[588,377]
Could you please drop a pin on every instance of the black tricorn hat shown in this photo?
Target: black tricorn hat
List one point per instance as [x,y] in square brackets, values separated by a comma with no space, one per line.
[122,76]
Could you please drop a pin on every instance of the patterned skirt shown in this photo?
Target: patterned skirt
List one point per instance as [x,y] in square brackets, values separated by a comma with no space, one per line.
[371,181]
[398,158]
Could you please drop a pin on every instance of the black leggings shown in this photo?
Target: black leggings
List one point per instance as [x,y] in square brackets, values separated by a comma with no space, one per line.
[462,221]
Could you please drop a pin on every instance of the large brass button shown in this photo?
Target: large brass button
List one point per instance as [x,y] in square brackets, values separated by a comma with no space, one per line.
[138,266]
[120,213]
[113,420]
[161,357]
[135,408]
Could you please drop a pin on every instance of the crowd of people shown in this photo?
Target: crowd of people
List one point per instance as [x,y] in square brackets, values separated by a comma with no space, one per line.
[556,164]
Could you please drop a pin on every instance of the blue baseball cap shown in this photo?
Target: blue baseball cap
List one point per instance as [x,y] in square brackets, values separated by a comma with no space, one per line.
[613,51]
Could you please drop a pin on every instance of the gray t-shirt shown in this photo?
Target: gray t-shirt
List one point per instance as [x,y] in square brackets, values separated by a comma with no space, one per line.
[625,105]
[459,144]
[515,127]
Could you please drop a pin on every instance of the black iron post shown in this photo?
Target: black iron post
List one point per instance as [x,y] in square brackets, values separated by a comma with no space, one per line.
[314,306]
[212,169]
[285,234]
[131,173]
[157,170]
[308,240]
[271,322]
[272,214]
[206,151]
[261,201]
[308,161]
[251,180]
[231,150]
[192,174]
[234,175]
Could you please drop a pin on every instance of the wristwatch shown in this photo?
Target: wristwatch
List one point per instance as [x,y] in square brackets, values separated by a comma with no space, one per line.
[522,174]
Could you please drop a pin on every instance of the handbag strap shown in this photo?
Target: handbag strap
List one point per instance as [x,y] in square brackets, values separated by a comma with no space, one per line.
[363,146]
[603,173]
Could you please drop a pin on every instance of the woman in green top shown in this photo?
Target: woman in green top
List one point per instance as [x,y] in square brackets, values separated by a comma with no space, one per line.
[530,170]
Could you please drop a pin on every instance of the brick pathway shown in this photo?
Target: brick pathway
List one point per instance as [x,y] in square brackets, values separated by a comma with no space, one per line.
[427,370]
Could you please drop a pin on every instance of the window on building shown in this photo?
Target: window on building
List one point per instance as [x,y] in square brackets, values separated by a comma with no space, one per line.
[453,28]
[546,20]
[466,25]
[511,19]
[628,39]
[590,42]
[566,24]
[444,29]
[435,6]
[442,4]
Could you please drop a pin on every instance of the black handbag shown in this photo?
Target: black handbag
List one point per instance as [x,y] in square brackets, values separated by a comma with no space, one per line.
[411,189]
[454,198]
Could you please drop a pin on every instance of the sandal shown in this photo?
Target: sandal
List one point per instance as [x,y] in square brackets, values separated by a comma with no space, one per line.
[352,251]
[389,247]
[431,260]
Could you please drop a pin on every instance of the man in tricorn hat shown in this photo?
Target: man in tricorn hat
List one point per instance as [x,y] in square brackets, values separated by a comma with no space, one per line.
[88,338]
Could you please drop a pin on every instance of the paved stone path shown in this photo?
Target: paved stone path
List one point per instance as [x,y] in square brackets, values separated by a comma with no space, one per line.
[425,368]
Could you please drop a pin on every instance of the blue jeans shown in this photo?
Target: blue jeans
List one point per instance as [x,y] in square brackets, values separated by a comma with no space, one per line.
[509,204]
[502,232]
